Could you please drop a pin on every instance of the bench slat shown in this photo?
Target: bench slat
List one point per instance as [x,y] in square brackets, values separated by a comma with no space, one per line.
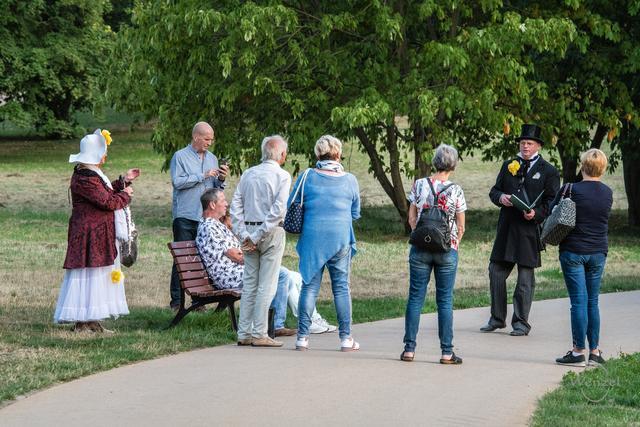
[197,290]
[195,283]
[185,251]
[188,275]
[189,267]
[180,245]
[236,293]
[187,259]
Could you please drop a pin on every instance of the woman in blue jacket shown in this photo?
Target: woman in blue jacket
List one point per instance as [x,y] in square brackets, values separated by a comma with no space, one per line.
[331,200]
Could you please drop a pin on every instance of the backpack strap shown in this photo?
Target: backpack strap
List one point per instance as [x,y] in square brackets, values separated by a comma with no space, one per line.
[433,191]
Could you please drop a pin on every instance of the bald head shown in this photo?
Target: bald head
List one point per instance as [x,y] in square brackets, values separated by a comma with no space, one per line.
[201,136]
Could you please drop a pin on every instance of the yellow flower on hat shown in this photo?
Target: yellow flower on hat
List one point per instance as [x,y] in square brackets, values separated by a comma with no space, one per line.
[107,136]
[514,167]
[117,276]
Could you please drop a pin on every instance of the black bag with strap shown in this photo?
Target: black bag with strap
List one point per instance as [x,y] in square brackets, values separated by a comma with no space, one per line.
[432,231]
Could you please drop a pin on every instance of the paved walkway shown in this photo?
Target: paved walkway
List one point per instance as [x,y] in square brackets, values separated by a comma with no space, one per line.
[498,384]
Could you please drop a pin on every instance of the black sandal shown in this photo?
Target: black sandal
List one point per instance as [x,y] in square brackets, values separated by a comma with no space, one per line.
[455,360]
[407,358]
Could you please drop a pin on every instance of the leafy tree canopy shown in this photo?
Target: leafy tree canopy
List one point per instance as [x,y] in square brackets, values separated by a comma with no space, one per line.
[458,72]
[51,55]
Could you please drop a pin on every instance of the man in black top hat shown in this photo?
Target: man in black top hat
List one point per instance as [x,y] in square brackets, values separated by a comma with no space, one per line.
[518,234]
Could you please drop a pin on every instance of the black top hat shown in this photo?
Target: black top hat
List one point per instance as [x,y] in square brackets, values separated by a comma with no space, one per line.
[530,131]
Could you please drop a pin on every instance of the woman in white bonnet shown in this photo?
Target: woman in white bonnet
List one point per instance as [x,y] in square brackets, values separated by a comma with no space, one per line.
[93,284]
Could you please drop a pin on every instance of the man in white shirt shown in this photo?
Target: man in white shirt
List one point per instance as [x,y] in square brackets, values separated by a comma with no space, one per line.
[257,210]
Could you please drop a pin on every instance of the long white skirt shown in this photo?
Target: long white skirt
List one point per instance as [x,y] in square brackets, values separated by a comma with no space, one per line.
[88,294]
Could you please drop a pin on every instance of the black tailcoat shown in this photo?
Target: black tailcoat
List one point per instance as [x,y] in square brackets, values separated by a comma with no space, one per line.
[517,239]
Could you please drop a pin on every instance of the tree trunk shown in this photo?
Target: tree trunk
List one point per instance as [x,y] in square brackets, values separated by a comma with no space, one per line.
[421,167]
[394,187]
[569,163]
[630,144]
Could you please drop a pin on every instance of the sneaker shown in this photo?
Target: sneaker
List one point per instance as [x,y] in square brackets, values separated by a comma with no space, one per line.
[265,342]
[321,326]
[349,344]
[570,360]
[302,343]
[330,328]
[596,359]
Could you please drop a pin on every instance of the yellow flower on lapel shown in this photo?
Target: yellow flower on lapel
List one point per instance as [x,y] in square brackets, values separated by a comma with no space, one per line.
[107,136]
[117,276]
[514,167]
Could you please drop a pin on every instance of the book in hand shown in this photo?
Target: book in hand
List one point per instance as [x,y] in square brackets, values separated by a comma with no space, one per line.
[519,204]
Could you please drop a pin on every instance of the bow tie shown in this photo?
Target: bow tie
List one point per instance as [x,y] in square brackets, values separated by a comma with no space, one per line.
[527,163]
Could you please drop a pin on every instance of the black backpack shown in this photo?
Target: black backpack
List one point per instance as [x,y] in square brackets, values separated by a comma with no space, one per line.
[432,231]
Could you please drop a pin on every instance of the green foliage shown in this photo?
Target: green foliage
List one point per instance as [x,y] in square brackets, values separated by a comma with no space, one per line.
[453,69]
[51,55]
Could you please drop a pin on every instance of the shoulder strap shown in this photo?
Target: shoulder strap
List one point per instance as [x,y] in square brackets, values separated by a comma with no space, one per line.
[302,181]
[433,191]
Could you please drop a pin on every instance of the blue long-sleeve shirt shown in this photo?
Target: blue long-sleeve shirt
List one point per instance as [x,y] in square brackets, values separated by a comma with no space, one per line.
[187,176]
[331,203]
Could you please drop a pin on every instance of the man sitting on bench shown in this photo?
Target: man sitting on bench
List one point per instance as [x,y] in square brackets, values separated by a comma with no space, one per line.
[221,253]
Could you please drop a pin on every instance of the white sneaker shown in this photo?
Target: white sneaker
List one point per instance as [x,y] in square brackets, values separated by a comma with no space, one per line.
[321,326]
[349,344]
[302,343]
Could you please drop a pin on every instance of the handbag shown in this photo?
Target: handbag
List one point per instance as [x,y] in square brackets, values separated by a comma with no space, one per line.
[561,220]
[129,247]
[295,211]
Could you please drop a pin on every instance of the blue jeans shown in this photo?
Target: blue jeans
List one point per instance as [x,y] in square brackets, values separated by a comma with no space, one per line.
[582,275]
[421,263]
[279,303]
[339,267]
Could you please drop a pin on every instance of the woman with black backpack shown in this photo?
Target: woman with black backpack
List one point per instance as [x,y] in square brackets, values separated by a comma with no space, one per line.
[436,216]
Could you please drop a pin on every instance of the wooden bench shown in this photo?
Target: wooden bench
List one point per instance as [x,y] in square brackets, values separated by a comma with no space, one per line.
[195,282]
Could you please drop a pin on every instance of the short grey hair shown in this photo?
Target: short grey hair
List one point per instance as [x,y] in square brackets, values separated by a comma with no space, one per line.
[328,147]
[445,158]
[210,195]
[273,147]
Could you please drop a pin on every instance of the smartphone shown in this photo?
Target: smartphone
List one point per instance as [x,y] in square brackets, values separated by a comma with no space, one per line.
[223,161]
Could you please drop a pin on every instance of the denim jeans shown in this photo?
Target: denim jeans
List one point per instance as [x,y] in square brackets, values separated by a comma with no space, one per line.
[444,265]
[339,267]
[183,229]
[279,303]
[582,275]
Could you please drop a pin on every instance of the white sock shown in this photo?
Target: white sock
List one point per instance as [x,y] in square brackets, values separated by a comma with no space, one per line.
[576,354]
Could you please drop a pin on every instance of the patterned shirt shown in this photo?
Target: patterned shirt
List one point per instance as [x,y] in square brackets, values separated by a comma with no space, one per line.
[451,200]
[213,240]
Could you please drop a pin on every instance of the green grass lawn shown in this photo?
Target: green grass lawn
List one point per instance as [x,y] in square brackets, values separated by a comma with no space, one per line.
[605,396]
[34,211]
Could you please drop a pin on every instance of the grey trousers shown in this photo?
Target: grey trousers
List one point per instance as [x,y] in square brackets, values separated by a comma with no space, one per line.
[522,295]
[259,284]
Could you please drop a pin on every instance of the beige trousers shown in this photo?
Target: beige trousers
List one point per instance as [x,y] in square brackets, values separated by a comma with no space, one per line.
[259,284]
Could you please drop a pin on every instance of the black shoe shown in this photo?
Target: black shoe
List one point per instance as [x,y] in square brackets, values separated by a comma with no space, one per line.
[455,360]
[596,359]
[570,360]
[490,328]
[518,333]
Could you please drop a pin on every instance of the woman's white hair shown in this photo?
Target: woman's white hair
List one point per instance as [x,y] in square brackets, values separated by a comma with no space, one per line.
[445,158]
[273,147]
[328,147]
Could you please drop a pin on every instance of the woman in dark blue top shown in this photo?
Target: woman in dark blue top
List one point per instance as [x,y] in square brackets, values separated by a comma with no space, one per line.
[583,254]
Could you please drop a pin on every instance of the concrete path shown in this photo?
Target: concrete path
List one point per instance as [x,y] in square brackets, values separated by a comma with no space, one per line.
[498,384]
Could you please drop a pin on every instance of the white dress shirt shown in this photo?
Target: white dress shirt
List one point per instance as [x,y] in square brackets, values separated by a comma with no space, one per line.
[261,196]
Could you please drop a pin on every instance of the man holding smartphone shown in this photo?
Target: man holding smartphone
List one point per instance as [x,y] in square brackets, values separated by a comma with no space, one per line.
[193,169]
